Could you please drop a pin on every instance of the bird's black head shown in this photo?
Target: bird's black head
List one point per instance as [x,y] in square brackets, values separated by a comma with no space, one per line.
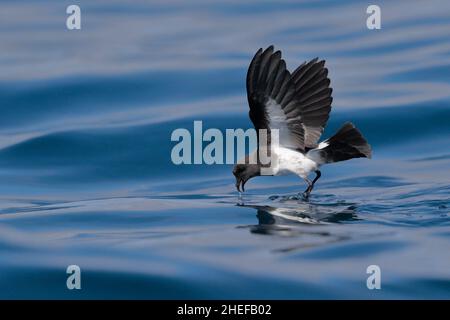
[243,172]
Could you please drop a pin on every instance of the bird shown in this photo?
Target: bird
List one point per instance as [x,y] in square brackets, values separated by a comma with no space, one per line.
[298,106]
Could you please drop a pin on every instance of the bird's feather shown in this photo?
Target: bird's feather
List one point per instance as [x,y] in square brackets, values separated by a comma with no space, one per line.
[296,104]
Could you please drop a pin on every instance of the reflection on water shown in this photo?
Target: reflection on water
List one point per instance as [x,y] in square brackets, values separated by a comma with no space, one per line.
[291,210]
[282,222]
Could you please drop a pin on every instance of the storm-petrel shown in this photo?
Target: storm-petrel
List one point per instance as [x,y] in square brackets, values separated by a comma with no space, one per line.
[298,104]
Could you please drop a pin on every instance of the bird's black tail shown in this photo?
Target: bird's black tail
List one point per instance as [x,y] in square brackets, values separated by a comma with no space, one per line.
[347,143]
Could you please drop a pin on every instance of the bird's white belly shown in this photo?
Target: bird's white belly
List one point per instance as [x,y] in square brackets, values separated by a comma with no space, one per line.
[291,161]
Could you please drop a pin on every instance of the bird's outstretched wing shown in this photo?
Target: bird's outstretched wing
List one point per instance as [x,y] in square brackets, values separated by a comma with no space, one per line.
[298,105]
[312,86]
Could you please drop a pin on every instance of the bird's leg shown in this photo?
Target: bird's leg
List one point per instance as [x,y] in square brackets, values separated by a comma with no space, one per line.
[308,190]
[318,175]
[311,184]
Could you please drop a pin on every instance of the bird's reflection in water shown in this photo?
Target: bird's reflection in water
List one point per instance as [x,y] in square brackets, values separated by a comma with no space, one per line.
[293,218]
[284,215]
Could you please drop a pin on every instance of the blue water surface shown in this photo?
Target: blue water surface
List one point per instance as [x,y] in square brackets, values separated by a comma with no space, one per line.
[86,176]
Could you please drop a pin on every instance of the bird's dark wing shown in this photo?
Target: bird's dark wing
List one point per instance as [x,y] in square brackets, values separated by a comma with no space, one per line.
[270,92]
[313,92]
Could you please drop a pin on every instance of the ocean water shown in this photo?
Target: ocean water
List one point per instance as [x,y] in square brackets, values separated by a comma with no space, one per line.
[86,176]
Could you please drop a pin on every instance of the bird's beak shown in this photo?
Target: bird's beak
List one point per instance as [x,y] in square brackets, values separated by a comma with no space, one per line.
[240,184]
